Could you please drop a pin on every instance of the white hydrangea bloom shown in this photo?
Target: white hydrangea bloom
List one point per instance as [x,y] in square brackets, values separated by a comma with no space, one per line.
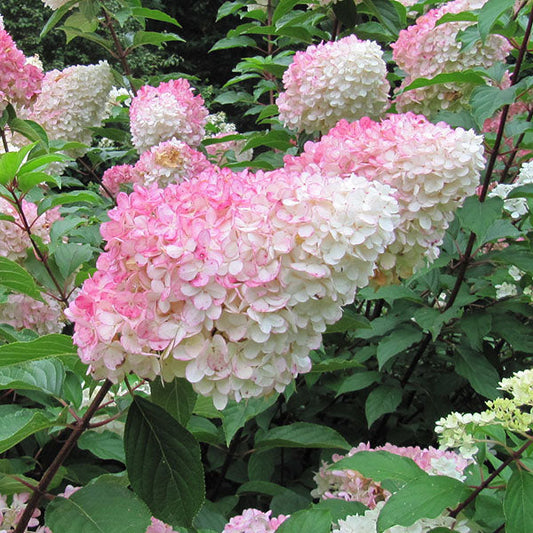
[520,386]
[505,290]
[367,523]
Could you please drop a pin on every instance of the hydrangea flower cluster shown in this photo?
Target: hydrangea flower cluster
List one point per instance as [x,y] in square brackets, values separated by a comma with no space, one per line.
[170,110]
[350,485]
[21,311]
[367,523]
[169,162]
[72,101]
[159,527]
[254,521]
[20,82]
[10,514]
[431,167]
[426,50]
[14,241]
[330,81]
[229,279]
[54,4]
[458,430]
[516,207]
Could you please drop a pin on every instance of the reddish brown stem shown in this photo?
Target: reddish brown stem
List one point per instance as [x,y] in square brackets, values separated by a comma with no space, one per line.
[64,452]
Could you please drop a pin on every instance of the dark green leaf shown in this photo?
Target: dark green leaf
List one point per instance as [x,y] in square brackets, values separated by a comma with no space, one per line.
[176,398]
[490,13]
[164,464]
[19,423]
[302,435]
[15,278]
[46,376]
[398,341]
[340,509]
[73,197]
[517,503]
[315,520]
[69,256]
[383,399]
[31,130]
[349,321]
[381,465]
[235,415]
[486,100]
[53,345]
[240,41]
[466,76]
[477,216]
[154,14]
[106,445]
[57,15]
[99,508]
[424,497]
[358,381]
[152,37]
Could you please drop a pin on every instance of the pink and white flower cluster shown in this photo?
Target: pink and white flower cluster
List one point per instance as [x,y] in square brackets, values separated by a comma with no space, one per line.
[426,50]
[254,521]
[21,311]
[72,101]
[10,514]
[169,162]
[351,485]
[431,168]
[14,240]
[229,279]
[20,82]
[330,81]
[168,111]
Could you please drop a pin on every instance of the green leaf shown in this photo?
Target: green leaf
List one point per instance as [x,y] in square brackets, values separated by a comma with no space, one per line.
[350,320]
[278,139]
[334,364]
[398,341]
[31,130]
[391,14]
[74,197]
[489,15]
[358,381]
[346,12]
[340,509]
[383,399]
[176,398]
[517,503]
[53,345]
[15,278]
[10,163]
[381,465]
[164,463]
[77,24]
[475,367]
[99,508]
[154,14]
[486,100]
[424,497]
[284,7]
[19,423]
[466,76]
[142,38]
[57,15]
[46,376]
[240,41]
[477,216]
[476,325]
[69,256]
[29,180]
[106,445]
[235,415]
[302,435]
[228,8]
[315,520]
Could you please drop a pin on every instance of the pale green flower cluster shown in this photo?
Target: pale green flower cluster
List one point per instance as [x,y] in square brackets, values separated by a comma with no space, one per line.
[457,430]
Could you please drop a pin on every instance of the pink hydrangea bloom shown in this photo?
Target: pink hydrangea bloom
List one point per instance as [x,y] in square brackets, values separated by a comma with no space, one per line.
[229,279]
[14,241]
[21,311]
[72,101]
[170,110]
[170,162]
[114,177]
[20,82]
[254,521]
[431,167]
[159,527]
[350,485]
[330,81]
[11,513]
[425,50]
